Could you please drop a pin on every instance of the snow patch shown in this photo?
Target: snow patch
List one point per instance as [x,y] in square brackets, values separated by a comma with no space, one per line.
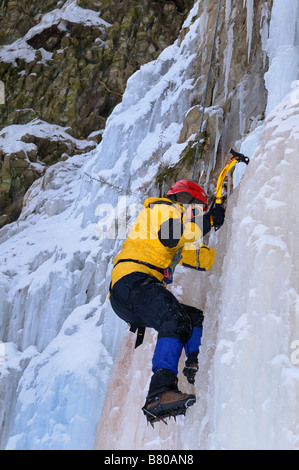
[70,12]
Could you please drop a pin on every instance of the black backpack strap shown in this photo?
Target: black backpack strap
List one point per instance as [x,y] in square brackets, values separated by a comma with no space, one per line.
[140,336]
[151,266]
[140,333]
[133,326]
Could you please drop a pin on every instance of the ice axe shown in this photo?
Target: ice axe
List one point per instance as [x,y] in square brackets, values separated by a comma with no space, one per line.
[236,158]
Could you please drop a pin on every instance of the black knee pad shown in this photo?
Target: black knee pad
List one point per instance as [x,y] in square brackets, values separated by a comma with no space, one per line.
[177,324]
[197,315]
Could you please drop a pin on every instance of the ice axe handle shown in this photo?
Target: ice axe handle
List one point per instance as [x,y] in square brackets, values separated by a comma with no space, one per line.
[240,157]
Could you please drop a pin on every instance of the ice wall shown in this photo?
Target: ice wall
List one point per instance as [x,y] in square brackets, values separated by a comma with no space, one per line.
[283,51]
[249,381]
[248,387]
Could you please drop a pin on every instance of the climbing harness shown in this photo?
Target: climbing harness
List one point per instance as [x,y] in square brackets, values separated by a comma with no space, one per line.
[206,92]
[176,259]
[167,272]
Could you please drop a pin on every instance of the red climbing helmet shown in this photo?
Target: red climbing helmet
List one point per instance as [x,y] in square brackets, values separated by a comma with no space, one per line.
[185,186]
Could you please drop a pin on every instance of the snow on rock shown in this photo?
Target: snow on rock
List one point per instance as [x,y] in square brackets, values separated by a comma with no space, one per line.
[13,137]
[70,12]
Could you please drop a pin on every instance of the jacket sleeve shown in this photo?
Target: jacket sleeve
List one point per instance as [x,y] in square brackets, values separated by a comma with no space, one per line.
[206,224]
[199,257]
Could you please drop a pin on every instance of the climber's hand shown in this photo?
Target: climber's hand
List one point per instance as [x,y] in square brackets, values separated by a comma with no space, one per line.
[217,212]
[190,372]
[191,367]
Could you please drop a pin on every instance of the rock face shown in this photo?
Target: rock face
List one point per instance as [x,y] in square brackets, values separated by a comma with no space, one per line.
[236,95]
[67,64]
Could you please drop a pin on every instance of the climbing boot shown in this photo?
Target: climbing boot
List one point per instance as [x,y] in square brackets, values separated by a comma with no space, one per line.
[164,398]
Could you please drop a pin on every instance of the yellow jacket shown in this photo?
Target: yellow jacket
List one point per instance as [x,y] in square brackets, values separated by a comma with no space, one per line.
[145,240]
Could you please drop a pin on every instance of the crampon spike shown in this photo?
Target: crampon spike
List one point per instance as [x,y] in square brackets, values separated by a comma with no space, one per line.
[152,418]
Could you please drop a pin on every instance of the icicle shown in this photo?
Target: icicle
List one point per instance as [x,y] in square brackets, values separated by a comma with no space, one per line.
[250,14]
[228,53]
[282,50]
[264,29]
[228,7]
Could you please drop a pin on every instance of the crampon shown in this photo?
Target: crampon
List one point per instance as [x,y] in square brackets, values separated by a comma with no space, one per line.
[160,412]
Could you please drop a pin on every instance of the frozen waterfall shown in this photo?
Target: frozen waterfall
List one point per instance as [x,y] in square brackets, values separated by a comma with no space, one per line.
[60,337]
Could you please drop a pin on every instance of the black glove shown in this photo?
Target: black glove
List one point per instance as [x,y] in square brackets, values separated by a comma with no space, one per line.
[218,213]
[190,372]
[191,367]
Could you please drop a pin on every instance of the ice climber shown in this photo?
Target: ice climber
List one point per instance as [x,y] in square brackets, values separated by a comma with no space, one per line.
[164,234]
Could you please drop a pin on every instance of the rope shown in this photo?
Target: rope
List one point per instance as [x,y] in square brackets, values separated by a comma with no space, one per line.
[206,93]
